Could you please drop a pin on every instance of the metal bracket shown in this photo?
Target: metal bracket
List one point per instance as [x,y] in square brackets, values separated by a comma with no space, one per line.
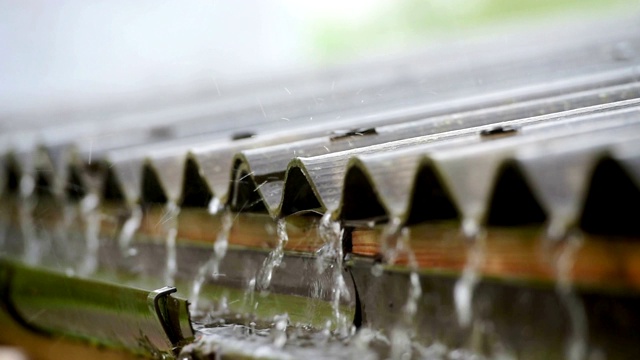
[158,301]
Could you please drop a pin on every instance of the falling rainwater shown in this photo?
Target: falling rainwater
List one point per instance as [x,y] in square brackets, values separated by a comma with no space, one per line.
[197,285]
[212,266]
[91,217]
[274,259]
[577,343]
[331,256]
[26,205]
[465,286]
[415,292]
[248,299]
[222,243]
[128,230]
[214,206]
[62,233]
[395,244]
[170,225]
[388,240]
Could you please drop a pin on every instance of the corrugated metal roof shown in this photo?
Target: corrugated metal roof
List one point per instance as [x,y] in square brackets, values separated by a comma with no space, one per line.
[370,143]
[267,164]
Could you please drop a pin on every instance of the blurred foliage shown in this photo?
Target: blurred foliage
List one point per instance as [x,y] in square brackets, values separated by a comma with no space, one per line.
[403,22]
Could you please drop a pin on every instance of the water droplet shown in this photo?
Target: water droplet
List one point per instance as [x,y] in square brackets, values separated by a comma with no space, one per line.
[215,206]
[27,185]
[377,270]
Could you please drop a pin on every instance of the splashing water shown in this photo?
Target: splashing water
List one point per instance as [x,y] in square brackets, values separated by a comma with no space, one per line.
[212,266]
[465,286]
[331,256]
[129,229]
[274,259]
[279,330]
[259,341]
[90,214]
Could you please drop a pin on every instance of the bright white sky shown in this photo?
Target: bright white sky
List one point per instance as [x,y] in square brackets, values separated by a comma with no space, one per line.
[77,50]
[66,52]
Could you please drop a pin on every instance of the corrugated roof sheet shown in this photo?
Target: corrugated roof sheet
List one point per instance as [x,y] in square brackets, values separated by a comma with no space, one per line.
[415,138]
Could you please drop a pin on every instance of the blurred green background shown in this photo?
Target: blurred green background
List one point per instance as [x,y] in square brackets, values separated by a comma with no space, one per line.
[402,23]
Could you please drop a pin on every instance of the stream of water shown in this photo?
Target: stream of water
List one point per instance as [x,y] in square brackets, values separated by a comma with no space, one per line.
[274,259]
[466,284]
[170,227]
[26,205]
[91,218]
[330,257]
[211,268]
[395,244]
[129,228]
[569,242]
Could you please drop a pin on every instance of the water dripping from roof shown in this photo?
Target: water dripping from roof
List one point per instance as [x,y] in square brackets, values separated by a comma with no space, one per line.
[26,205]
[330,258]
[395,245]
[128,231]
[466,284]
[212,267]
[170,227]
[91,218]
[570,242]
[274,259]
[214,206]
[63,236]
